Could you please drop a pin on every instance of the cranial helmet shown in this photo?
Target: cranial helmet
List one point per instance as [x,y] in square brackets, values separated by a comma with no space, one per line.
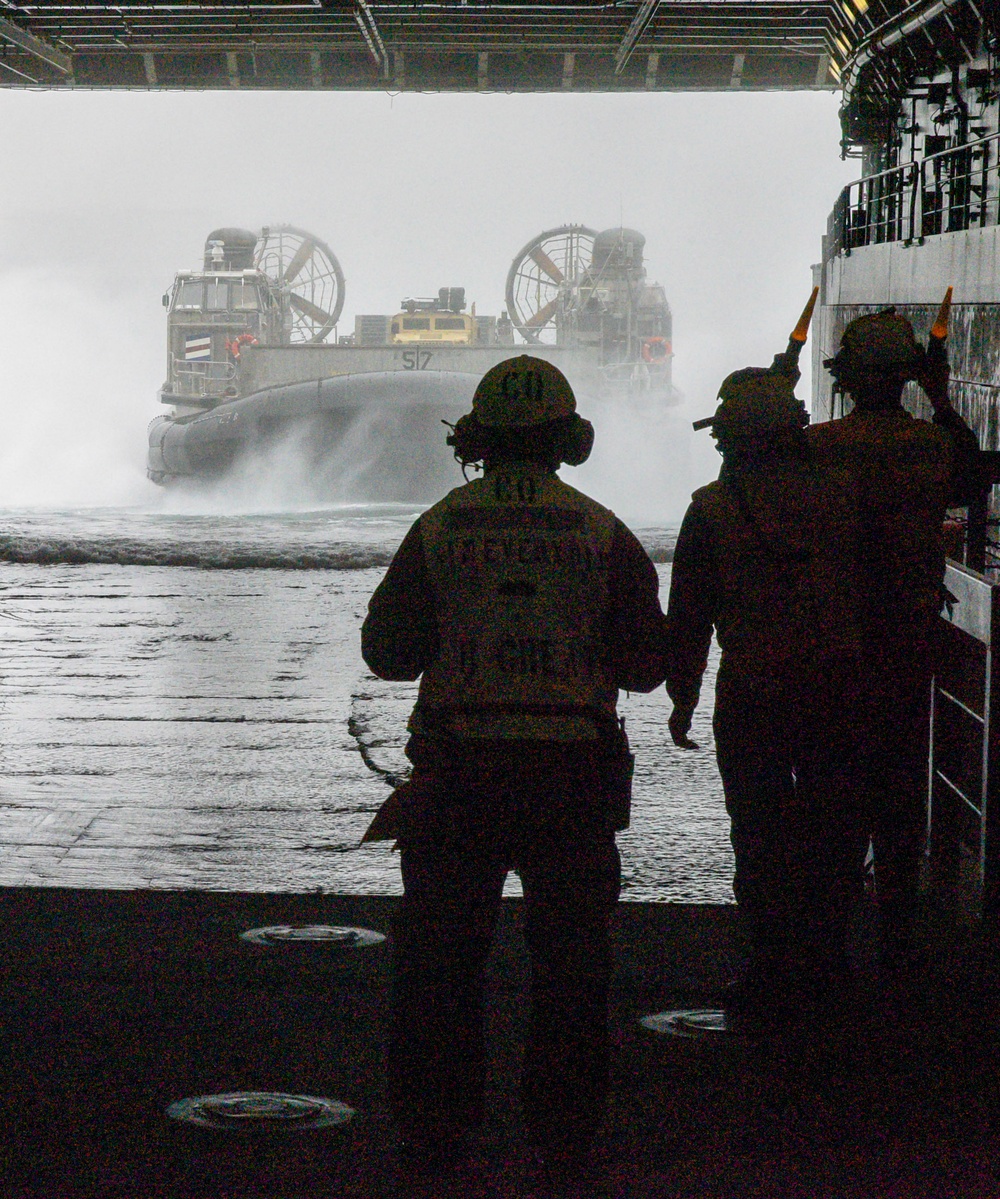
[523,402]
[756,402]
[881,343]
[522,391]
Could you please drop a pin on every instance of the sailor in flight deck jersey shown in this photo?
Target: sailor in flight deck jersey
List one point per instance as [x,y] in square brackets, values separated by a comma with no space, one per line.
[523,606]
[905,473]
[765,556]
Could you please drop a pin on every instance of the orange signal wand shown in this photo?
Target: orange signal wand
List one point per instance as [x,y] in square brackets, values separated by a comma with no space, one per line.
[801,330]
[787,364]
[939,330]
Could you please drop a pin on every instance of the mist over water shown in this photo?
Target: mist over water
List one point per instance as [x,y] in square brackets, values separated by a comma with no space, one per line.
[75,416]
[78,406]
[282,476]
[732,195]
[640,465]
[77,413]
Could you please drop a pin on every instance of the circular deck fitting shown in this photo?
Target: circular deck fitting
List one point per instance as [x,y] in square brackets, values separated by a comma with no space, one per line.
[260,1111]
[702,1024]
[313,934]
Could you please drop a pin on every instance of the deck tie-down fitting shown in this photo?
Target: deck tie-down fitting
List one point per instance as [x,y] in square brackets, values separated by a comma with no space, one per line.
[692,1024]
[276,1111]
[260,1111]
[318,934]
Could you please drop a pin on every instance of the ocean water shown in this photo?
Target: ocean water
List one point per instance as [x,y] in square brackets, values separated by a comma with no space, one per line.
[184,704]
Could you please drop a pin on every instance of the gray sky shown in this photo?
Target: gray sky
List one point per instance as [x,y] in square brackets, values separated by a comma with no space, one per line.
[104,196]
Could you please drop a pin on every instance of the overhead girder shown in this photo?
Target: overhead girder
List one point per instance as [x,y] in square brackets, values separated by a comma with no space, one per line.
[37,47]
[452,46]
[651,44]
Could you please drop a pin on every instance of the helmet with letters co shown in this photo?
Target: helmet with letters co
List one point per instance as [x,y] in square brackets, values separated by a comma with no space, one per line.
[523,406]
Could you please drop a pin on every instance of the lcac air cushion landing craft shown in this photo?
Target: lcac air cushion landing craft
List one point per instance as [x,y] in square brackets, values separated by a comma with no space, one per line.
[258,379]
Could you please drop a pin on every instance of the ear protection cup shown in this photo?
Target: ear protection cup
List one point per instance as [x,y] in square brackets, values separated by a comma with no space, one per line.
[569,438]
[469,440]
[578,441]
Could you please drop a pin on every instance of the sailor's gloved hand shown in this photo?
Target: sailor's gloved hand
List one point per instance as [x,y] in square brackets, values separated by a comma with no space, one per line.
[935,375]
[787,364]
[680,725]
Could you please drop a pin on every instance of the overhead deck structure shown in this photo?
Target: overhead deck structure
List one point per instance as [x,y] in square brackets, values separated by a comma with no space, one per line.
[590,45]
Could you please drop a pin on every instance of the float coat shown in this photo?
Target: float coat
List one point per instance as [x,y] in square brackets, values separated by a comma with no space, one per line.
[521,593]
[767,558]
[905,472]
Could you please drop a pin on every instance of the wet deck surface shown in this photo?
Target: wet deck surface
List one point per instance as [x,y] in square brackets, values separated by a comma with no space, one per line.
[117,1003]
[182,761]
[174,728]
[179,728]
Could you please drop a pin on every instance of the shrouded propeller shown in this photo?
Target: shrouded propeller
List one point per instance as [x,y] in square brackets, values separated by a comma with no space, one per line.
[310,272]
[540,269]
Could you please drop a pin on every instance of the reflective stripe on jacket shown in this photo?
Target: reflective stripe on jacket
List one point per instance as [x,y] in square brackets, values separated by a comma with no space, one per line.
[518,563]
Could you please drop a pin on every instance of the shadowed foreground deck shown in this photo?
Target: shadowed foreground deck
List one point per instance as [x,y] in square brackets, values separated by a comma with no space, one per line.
[116,1003]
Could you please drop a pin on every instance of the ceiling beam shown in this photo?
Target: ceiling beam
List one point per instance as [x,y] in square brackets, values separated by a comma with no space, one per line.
[369,30]
[447,45]
[644,14]
[24,40]
[20,74]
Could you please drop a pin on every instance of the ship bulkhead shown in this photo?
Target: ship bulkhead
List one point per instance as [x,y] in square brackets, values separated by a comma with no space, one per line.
[925,213]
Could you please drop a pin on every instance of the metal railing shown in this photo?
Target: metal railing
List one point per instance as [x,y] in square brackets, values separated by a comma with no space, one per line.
[948,192]
[963,807]
[201,378]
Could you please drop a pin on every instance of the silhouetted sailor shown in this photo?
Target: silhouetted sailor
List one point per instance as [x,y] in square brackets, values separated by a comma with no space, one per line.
[905,472]
[524,606]
[765,555]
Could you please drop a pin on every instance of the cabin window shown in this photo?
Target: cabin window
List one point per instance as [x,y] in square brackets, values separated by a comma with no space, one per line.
[395,327]
[416,322]
[217,296]
[188,295]
[245,297]
[449,322]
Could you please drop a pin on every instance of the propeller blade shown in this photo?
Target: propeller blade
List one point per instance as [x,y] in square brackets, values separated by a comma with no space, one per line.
[541,317]
[299,259]
[539,256]
[312,311]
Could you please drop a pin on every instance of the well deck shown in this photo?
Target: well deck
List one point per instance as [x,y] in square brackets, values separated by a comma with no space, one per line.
[117,1003]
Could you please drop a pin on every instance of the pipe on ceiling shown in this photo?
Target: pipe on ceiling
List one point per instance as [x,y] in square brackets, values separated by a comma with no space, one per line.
[888,34]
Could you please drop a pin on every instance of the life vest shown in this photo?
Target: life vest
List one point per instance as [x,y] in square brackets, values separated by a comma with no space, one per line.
[518,563]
